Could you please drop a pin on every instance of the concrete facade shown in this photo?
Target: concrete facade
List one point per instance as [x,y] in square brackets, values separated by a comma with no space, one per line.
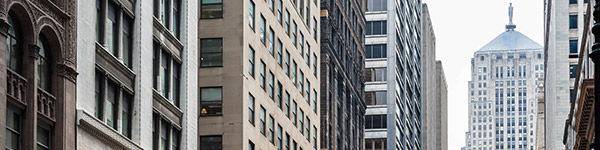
[435,119]
[342,75]
[503,92]
[241,29]
[395,53]
[560,63]
[38,73]
[579,129]
[123,103]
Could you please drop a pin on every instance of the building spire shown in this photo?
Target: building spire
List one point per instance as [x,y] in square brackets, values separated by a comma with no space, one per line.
[510,26]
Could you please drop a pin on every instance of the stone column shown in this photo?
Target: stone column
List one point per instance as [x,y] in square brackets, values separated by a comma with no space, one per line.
[65,115]
[29,120]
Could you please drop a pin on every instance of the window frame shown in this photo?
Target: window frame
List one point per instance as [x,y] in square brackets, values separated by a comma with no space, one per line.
[201,10]
[215,102]
[203,53]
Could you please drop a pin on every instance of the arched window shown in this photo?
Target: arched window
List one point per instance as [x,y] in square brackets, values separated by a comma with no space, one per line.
[44,71]
[13,44]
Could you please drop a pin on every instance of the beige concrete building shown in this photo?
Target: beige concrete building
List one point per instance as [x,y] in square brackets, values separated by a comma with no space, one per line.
[258,75]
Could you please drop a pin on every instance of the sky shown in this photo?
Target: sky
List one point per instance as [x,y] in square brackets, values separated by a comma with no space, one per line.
[462,27]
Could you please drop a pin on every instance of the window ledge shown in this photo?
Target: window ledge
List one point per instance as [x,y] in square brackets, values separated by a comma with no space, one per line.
[107,61]
[166,108]
[376,36]
[166,39]
[375,12]
[375,59]
[104,132]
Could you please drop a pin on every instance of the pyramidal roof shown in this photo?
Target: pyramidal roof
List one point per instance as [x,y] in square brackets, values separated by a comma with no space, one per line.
[511,39]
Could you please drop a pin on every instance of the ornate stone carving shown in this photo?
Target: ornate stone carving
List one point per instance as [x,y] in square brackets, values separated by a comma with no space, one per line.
[67,70]
[34,51]
[4,26]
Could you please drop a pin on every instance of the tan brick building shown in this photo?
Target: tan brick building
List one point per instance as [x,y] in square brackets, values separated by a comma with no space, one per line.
[258,75]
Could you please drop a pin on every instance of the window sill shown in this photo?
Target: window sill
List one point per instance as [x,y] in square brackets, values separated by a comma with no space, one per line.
[170,111]
[166,39]
[114,66]
[104,132]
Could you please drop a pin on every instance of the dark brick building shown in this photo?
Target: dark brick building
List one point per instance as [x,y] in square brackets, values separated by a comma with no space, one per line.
[342,74]
[37,74]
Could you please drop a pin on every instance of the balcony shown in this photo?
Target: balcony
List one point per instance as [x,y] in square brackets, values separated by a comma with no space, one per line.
[46,104]
[16,86]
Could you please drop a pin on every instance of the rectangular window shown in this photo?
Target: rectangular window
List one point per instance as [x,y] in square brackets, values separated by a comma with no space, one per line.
[294,34]
[263,72]
[279,52]
[272,5]
[307,92]
[287,141]
[263,24]
[572,21]
[315,33]
[301,43]
[375,144]
[272,41]
[250,145]
[287,63]
[376,27]
[44,135]
[573,71]
[99,20]
[286,110]
[294,71]
[279,94]
[279,11]
[176,18]
[376,98]
[287,22]
[315,137]
[572,1]
[315,101]
[263,117]
[294,115]
[376,74]
[271,85]
[251,61]
[376,51]
[127,40]
[166,72]
[13,129]
[108,107]
[315,69]
[126,113]
[111,104]
[211,9]
[164,12]
[279,142]
[211,101]
[211,142]
[211,52]
[307,125]
[251,14]
[251,108]
[301,118]
[301,79]
[271,129]
[376,5]
[112,29]
[573,46]
[375,121]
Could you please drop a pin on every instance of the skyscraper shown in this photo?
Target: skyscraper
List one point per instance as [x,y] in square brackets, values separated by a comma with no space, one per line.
[434,95]
[563,24]
[503,93]
[393,85]
[258,74]
[136,60]
[342,75]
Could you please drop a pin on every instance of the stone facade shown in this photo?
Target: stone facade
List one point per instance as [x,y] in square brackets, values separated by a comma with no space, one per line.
[135,66]
[435,111]
[563,27]
[39,78]
[342,75]
[579,130]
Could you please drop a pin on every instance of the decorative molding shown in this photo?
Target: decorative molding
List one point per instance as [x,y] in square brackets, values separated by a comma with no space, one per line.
[4,26]
[34,51]
[103,132]
[67,69]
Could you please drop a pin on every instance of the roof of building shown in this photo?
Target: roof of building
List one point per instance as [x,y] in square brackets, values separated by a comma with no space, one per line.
[511,40]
